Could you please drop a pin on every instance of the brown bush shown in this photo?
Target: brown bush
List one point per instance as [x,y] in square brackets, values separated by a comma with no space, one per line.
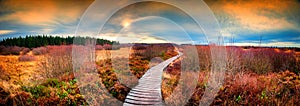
[14,50]
[25,51]
[4,75]
[19,99]
[24,58]
[138,47]
[250,78]
[147,52]
[254,89]
[204,57]
[39,51]
[57,62]
[2,48]
[99,47]
[258,60]
[110,81]
[107,46]
[3,95]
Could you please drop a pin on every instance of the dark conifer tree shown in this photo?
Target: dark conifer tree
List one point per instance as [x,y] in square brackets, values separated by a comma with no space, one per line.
[37,41]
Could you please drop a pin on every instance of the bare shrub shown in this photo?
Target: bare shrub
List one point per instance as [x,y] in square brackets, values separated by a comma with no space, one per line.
[116,47]
[282,60]
[2,48]
[99,47]
[18,99]
[234,58]
[39,50]
[138,47]
[260,60]
[25,58]
[204,56]
[154,51]
[4,75]
[57,62]
[147,52]
[182,91]
[3,94]
[25,51]
[14,50]
[107,46]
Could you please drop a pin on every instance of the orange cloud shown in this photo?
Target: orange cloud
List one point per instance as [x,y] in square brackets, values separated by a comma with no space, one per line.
[258,15]
[44,12]
[134,11]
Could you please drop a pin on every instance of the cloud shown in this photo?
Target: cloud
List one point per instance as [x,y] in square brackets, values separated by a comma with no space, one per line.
[271,44]
[257,15]
[156,22]
[247,21]
[133,38]
[46,14]
[157,27]
[6,32]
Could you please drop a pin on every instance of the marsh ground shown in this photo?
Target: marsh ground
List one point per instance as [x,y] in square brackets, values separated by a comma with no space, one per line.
[275,80]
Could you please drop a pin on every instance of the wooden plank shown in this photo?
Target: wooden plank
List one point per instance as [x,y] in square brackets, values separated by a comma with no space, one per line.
[148,90]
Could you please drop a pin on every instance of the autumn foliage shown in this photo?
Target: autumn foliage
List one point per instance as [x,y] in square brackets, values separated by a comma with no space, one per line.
[254,76]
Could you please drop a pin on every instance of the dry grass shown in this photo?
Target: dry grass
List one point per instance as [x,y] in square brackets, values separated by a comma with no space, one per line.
[254,76]
[16,68]
[25,69]
[24,77]
[106,54]
[25,58]
[242,85]
[57,62]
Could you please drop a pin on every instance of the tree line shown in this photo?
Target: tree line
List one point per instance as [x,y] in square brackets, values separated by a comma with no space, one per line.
[43,40]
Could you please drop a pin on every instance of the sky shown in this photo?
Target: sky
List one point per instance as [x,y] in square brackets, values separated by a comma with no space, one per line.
[242,22]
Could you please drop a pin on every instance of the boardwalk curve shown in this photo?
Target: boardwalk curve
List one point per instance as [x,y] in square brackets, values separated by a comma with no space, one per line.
[148,90]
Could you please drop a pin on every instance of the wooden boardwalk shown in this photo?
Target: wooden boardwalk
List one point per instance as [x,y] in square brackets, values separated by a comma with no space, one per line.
[148,90]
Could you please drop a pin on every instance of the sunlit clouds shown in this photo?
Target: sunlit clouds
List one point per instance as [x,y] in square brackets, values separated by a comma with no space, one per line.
[41,16]
[259,15]
[126,22]
[246,22]
[6,31]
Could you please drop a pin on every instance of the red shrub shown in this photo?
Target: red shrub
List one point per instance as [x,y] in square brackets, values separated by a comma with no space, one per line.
[14,50]
[39,50]
[2,48]
[58,61]
[99,47]
[107,46]
[204,56]
[3,76]
[24,58]
[260,60]
[19,98]
[25,51]
[148,52]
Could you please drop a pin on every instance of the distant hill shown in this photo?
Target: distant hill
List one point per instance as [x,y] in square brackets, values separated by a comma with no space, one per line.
[38,41]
